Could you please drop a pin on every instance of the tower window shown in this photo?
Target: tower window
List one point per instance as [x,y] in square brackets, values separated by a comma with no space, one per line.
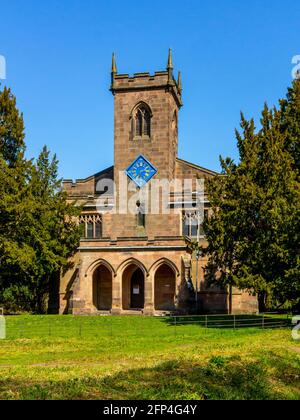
[141,121]
[147,125]
[141,217]
[175,123]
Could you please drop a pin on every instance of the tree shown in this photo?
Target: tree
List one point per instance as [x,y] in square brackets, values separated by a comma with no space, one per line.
[290,123]
[253,234]
[38,227]
[54,233]
[16,254]
[12,135]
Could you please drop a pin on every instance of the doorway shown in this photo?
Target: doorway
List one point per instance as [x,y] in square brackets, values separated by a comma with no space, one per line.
[137,290]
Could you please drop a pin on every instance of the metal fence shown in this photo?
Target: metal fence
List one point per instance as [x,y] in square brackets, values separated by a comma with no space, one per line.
[268,320]
[107,327]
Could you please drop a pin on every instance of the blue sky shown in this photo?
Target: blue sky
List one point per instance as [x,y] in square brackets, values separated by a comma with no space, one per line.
[234,55]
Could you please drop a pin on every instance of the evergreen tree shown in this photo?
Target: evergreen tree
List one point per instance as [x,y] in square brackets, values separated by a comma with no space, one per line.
[290,113]
[38,227]
[253,234]
[16,254]
[55,232]
[11,128]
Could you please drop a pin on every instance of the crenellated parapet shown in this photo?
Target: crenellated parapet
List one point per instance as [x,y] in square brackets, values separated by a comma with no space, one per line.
[145,81]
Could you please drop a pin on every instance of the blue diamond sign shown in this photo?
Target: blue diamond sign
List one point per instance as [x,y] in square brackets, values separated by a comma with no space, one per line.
[141,171]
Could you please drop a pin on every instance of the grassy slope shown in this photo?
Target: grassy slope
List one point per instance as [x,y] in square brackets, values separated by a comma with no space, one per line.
[144,358]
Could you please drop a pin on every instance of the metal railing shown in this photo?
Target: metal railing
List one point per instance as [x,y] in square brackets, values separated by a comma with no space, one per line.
[265,320]
[107,327]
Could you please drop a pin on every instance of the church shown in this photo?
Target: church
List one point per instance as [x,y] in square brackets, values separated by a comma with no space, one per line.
[139,261]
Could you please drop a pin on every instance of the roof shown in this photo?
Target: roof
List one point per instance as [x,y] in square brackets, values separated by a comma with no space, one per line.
[197,167]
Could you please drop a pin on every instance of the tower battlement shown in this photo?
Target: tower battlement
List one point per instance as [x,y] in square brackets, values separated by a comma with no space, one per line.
[146,81]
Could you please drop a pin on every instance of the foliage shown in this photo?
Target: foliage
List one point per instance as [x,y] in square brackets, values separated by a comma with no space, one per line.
[11,128]
[38,229]
[253,233]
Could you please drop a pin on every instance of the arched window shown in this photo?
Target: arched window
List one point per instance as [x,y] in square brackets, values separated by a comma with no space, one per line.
[147,123]
[92,226]
[175,123]
[141,121]
[141,217]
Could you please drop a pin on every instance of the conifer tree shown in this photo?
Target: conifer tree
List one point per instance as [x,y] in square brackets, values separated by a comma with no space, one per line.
[38,228]
[11,128]
[253,234]
[290,113]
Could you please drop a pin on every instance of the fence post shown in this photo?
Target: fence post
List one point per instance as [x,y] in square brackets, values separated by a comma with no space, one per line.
[206,321]
[80,328]
[2,325]
[263,321]
[175,321]
[22,328]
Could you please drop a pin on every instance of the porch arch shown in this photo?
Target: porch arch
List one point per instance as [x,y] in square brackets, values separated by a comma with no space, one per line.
[132,261]
[98,263]
[102,284]
[165,261]
[133,276]
[164,287]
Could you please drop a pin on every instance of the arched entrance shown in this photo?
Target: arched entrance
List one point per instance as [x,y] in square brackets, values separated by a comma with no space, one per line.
[133,288]
[164,288]
[102,289]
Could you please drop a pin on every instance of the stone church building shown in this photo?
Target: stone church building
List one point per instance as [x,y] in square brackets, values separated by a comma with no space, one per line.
[141,262]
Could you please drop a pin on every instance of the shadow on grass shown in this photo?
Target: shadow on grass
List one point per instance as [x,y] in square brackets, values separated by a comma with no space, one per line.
[221,378]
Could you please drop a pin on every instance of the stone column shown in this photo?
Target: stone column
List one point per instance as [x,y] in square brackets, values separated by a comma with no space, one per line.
[149,294]
[82,293]
[116,294]
[183,282]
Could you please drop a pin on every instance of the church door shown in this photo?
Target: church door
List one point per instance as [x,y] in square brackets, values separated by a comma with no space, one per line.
[137,290]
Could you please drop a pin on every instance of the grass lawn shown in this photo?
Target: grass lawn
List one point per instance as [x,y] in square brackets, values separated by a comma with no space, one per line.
[50,357]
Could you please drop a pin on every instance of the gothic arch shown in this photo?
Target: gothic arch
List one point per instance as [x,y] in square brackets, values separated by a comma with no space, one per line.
[141,104]
[97,264]
[141,116]
[164,281]
[132,261]
[165,261]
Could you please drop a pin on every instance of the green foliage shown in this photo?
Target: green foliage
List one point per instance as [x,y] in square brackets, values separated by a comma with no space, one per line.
[253,234]
[11,128]
[38,229]
[290,111]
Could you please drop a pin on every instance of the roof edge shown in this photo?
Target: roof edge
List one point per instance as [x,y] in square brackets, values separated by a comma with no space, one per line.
[193,165]
[89,178]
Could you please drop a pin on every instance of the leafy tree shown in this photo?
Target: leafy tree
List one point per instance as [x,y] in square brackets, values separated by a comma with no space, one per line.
[16,254]
[290,113]
[11,128]
[55,232]
[253,234]
[38,227]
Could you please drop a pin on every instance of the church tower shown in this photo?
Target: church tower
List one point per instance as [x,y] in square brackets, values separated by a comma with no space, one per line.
[146,119]
[140,262]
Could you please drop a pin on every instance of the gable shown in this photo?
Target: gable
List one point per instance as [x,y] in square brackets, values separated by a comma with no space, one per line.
[88,186]
[187,170]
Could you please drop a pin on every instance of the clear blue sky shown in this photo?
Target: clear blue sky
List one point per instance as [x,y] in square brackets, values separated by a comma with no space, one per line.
[234,55]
